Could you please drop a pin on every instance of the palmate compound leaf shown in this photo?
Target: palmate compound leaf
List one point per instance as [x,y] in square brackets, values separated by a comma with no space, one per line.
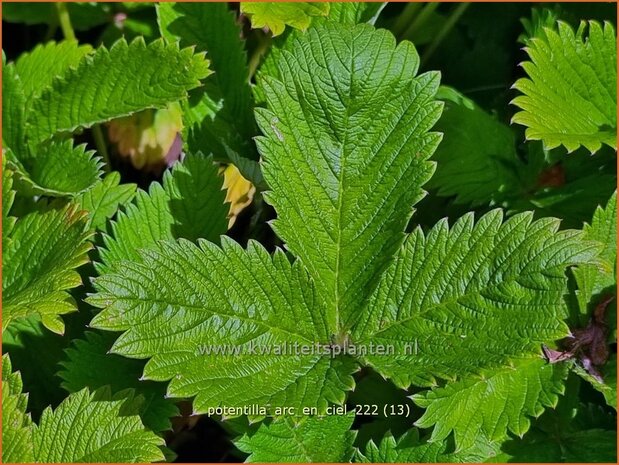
[85,427]
[117,82]
[410,449]
[570,96]
[43,250]
[301,440]
[276,16]
[345,154]
[349,124]
[189,204]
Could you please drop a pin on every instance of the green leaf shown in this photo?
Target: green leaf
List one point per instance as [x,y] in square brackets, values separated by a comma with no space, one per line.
[492,404]
[57,169]
[343,167]
[570,188]
[348,13]
[16,423]
[95,428]
[540,19]
[603,229]
[475,156]
[225,298]
[8,196]
[84,15]
[103,199]
[13,110]
[353,12]
[219,115]
[471,296]
[571,433]
[410,449]
[570,96]
[276,16]
[80,98]
[37,69]
[383,397]
[608,384]
[35,352]
[119,373]
[44,249]
[599,278]
[301,440]
[190,204]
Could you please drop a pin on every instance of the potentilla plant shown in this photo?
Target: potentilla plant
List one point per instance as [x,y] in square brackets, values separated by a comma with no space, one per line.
[338,317]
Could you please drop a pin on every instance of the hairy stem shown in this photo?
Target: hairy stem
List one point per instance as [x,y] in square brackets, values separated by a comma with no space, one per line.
[65,21]
[67,30]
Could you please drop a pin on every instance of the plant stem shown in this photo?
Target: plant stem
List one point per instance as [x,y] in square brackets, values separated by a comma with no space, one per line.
[261,48]
[405,18]
[101,147]
[447,27]
[65,21]
[67,30]
[427,11]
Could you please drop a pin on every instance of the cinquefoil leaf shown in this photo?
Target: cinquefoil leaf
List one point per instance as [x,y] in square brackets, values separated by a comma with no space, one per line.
[307,439]
[85,427]
[82,98]
[96,427]
[220,114]
[181,319]
[102,200]
[190,204]
[16,423]
[471,296]
[13,110]
[490,405]
[57,169]
[345,155]
[8,196]
[276,16]
[410,449]
[599,278]
[570,96]
[119,373]
[475,156]
[37,69]
[39,263]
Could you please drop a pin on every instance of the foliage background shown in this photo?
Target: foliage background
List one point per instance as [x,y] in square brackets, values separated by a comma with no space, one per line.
[479,57]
